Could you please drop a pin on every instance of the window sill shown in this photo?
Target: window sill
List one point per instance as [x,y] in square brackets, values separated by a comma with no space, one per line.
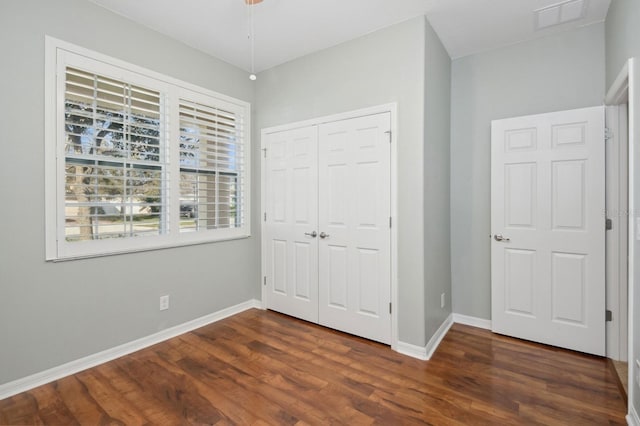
[155,247]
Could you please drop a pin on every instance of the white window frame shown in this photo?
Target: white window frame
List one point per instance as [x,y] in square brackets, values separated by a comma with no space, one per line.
[59,54]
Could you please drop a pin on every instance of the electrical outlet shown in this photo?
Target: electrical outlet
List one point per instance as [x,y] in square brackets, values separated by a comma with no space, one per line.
[164,302]
[442,300]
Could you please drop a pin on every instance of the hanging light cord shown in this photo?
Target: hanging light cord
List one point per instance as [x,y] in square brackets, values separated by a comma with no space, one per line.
[252,36]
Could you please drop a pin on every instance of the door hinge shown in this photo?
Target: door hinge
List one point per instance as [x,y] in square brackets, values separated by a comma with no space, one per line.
[264,280]
[388,132]
[264,151]
[608,315]
[608,134]
[389,307]
[265,216]
[608,224]
[389,221]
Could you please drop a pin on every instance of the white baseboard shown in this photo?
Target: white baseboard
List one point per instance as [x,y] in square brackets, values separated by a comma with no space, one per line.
[26,383]
[632,418]
[425,352]
[437,337]
[413,351]
[472,321]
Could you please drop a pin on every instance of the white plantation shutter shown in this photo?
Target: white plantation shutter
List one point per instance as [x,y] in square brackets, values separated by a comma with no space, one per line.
[212,163]
[115,167]
[136,160]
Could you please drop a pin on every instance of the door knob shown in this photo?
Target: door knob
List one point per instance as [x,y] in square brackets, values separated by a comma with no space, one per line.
[499,237]
[311,234]
[323,235]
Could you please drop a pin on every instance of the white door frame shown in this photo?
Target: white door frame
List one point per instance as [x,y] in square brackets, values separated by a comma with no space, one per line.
[625,90]
[616,238]
[390,108]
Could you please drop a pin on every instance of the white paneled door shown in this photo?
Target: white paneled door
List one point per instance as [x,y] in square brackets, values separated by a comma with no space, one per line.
[355,194]
[327,228]
[291,242]
[548,228]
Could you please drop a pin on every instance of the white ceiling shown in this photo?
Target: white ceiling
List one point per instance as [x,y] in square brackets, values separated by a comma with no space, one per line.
[288,29]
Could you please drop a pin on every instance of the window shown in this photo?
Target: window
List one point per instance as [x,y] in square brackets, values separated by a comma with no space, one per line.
[210,160]
[137,160]
[115,165]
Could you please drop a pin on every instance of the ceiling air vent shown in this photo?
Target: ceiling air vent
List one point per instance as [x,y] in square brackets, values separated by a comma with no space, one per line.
[560,13]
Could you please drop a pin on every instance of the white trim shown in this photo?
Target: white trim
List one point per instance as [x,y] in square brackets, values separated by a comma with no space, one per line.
[618,93]
[395,219]
[50,147]
[472,321]
[262,213]
[26,383]
[632,418]
[625,90]
[624,238]
[391,108]
[616,239]
[634,96]
[109,60]
[374,110]
[426,352]
[414,351]
[437,337]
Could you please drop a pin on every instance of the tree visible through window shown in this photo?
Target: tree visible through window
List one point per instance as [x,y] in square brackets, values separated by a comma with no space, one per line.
[113,168]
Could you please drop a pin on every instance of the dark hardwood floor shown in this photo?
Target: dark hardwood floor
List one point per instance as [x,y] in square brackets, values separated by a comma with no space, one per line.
[265,368]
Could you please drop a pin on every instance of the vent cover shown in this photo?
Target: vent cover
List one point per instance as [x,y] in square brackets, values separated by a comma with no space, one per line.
[560,13]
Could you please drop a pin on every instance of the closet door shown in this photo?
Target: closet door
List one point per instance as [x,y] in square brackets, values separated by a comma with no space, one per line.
[354,226]
[291,243]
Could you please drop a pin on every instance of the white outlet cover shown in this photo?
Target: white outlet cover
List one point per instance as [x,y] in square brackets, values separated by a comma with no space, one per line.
[164,302]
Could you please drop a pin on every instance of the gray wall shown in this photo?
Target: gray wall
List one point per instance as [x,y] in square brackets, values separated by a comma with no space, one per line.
[559,72]
[622,43]
[437,250]
[54,313]
[382,67]
[622,35]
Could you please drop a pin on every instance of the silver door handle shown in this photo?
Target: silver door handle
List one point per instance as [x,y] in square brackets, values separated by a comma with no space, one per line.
[323,235]
[311,234]
[499,237]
